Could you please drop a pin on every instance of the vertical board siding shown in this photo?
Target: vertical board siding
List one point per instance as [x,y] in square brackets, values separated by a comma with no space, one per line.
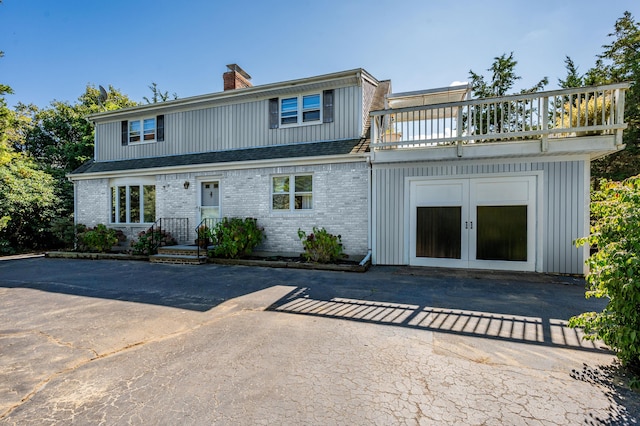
[562,218]
[564,215]
[232,126]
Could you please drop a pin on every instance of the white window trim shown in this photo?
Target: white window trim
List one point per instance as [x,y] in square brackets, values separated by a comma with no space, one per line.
[141,120]
[292,194]
[127,183]
[300,110]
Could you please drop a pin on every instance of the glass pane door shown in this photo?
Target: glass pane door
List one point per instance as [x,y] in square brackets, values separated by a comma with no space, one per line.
[501,233]
[438,232]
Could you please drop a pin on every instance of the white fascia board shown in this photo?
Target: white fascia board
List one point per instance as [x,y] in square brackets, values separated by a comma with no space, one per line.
[482,161]
[595,147]
[262,91]
[240,165]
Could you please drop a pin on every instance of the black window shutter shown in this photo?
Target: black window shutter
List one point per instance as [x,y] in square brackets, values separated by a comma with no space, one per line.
[327,106]
[160,128]
[125,132]
[273,113]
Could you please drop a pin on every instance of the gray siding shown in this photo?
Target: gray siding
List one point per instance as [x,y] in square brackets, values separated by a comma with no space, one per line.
[231,126]
[562,221]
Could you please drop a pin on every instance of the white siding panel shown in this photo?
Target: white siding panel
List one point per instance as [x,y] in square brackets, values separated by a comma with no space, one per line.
[562,207]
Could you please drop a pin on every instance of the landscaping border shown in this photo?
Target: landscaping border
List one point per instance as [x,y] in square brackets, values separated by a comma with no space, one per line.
[93,256]
[293,265]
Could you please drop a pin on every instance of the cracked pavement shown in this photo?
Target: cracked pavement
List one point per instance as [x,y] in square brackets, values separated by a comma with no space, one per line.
[104,342]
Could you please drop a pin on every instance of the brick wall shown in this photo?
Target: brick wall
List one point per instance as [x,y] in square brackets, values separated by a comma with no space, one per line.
[93,203]
[340,203]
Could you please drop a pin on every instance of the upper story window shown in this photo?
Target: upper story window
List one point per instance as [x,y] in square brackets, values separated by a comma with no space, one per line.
[298,110]
[143,130]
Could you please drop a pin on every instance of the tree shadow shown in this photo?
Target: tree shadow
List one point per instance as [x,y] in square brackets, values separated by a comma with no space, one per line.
[624,407]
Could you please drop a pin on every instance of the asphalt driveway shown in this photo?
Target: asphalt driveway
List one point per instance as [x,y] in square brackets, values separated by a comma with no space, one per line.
[110,342]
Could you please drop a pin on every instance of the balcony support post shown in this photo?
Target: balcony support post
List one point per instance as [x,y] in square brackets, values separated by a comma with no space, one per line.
[459,125]
[544,146]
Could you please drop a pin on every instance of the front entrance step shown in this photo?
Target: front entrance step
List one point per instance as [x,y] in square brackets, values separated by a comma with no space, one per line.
[187,255]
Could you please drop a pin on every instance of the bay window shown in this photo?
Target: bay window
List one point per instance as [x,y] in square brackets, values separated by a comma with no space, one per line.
[133,204]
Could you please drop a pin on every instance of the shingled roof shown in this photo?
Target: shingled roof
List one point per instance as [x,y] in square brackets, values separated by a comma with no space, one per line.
[316,149]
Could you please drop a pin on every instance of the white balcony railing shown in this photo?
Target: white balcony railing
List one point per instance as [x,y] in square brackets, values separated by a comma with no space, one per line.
[597,110]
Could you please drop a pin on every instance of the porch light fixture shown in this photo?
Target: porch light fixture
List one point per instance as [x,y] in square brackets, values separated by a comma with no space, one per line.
[186,184]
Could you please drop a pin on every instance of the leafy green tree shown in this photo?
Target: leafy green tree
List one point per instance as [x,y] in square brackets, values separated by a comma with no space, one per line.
[620,61]
[159,96]
[614,270]
[61,139]
[27,198]
[495,117]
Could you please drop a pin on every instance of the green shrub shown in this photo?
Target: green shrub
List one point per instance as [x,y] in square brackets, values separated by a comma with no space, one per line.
[614,269]
[204,236]
[5,248]
[236,237]
[63,232]
[148,241]
[100,239]
[321,246]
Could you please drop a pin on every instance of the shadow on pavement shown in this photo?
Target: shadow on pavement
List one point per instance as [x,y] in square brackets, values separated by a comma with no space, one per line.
[527,308]
[196,288]
[524,308]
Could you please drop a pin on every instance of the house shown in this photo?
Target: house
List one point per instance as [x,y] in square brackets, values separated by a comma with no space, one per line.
[422,178]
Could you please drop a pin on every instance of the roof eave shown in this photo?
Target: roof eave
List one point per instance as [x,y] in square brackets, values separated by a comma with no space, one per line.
[258,91]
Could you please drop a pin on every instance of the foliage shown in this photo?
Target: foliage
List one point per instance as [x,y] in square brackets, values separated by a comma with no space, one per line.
[494,117]
[582,112]
[620,62]
[614,269]
[148,241]
[573,78]
[28,202]
[236,237]
[158,96]
[60,138]
[63,232]
[204,233]
[100,239]
[321,246]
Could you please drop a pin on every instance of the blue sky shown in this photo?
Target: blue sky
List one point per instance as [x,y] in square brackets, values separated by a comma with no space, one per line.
[53,49]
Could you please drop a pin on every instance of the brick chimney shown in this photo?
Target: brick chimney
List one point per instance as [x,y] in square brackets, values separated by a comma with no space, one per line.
[236,78]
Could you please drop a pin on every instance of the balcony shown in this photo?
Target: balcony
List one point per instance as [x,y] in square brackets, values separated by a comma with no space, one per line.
[420,126]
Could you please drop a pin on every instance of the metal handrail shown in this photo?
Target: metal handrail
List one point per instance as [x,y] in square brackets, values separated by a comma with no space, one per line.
[208,222]
[177,227]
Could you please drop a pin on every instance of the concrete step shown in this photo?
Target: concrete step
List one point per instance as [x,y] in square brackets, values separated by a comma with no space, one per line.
[182,259]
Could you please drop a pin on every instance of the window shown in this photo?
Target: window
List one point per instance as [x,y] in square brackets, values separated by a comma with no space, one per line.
[133,204]
[283,198]
[304,109]
[300,109]
[143,130]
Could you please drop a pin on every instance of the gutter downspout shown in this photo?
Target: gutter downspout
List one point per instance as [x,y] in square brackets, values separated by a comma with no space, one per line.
[369,212]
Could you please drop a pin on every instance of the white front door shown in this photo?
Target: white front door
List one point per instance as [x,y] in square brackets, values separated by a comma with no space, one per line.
[485,223]
[210,200]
